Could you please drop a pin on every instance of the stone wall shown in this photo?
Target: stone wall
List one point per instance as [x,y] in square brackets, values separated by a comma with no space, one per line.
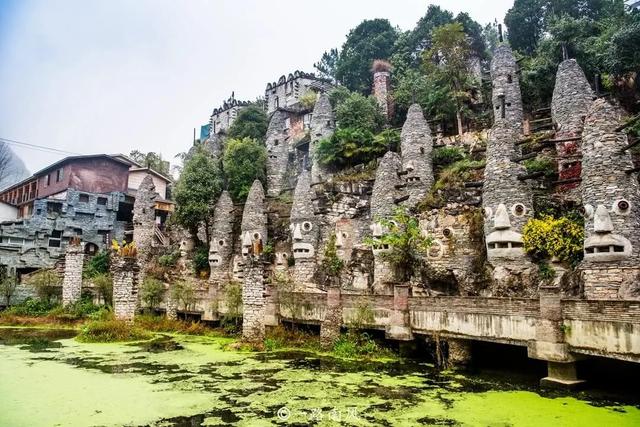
[72,280]
[253,302]
[124,272]
[144,216]
[416,147]
[322,126]
[277,141]
[222,240]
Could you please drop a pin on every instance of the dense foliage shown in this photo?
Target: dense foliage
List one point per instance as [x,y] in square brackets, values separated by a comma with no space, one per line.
[47,284]
[97,264]
[244,161]
[554,237]
[252,122]
[151,160]
[199,186]
[151,292]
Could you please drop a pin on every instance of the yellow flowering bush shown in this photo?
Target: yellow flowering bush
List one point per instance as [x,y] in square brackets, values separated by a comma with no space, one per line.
[549,237]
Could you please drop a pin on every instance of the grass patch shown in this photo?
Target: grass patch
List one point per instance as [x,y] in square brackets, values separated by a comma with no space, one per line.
[33,312]
[103,331]
[164,324]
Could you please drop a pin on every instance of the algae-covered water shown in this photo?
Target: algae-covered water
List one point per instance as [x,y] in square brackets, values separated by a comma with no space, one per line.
[49,379]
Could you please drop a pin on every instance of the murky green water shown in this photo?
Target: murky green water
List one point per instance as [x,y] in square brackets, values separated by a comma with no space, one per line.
[49,379]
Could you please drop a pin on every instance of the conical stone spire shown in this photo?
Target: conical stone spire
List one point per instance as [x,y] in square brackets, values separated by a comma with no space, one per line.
[254,223]
[277,152]
[572,97]
[506,97]
[416,148]
[322,126]
[221,243]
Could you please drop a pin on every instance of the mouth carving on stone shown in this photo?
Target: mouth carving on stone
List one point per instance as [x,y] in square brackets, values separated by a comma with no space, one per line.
[604,245]
[303,250]
[504,242]
[378,230]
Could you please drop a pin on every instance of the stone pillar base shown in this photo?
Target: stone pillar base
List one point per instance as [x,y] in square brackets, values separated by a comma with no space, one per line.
[330,328]
[459,352]
[561,375]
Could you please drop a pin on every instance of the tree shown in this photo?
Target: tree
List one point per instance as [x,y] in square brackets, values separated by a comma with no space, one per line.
[327,66]
[199,186]
[12,169]
[349,147]
[244,161]
[151,292]
[359,112]
[103,284]
[332,265]
[433,95]
[526,24]
[407,243]
[184,292]
[8,284]
[252,122]
[47,284]
[151,160]
[448,59]
[370,40]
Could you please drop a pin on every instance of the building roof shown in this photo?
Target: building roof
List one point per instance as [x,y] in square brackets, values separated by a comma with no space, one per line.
[82,157]
[151,171]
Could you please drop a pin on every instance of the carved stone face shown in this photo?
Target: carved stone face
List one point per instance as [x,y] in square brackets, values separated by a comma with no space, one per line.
[219,252]
[503,241]
[378,230]
[251,243]
[604,244]
[304,235]
[238,267]
[344,239]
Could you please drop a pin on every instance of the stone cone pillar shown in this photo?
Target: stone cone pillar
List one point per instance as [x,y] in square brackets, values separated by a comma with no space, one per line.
[125,272]
[330,328]
[253,302]
[72,281]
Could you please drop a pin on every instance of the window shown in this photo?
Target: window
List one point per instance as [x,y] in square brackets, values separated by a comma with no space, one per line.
[83,198]
[54,207]
[102,201]
[509,78]
[54,239]
[47,181]
[78,231]
[287,123]
[276,102]
[59,174]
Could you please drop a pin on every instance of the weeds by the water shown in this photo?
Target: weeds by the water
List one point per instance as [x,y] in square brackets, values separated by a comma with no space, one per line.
[164,324]
[33,312]
[112,331]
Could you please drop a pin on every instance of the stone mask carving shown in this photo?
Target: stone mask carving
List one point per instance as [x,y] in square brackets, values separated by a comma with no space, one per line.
[504,242]
[304,228]
[304,236]
[344,239]
[605,245]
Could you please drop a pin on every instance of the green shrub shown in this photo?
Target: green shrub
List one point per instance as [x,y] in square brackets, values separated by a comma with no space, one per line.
[348,147]
[359,112]
[244,161]
[169,260]
[542,164]
[112,331]
[151,292]
[96,265]
[47,284]
[554,237]
[252,122]
[184,293]
[164,324]
[447,155]
[308,100]
[352,345]
[103,284]
[31,307]
[201,260]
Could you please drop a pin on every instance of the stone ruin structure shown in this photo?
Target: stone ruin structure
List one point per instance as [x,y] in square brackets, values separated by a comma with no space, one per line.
[572,97]
[144,215]
[322,126]
[223,117]
[254,237]
[287,91]
[416,147]
[277,141]
[610,196]
[507,201]
[125,275]
[304,230]
[221,243]
[382,89]
[72,279]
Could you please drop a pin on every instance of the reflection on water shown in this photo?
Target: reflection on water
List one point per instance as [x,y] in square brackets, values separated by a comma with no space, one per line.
[315,389]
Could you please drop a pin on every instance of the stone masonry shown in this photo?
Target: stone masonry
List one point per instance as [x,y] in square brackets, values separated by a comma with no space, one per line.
[277,153]
[72,280]
[383,203]
[144,216]
[506,97]
[124,271]
[572,97]
[382,93]
[221,244]
[612,208]
[322,126]
[304,230]
[416,148]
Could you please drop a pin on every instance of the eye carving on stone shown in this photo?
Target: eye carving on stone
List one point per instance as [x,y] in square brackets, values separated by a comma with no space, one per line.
[587,211]
[221,242]
[257,236]
[447,232]
[518,209]
[307,226]
[621,207]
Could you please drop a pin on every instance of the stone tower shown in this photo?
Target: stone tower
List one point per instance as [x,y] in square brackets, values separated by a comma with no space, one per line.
[572,97]
[507,201]
[277,153]
[254,236]
[506,97]
[611,266]
[304,230]
[221,243]
[322,126]
[382,88]
[144,216]
[383,203]
[416,147]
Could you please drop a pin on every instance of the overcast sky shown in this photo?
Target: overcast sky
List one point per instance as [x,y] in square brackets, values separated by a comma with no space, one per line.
[111,76]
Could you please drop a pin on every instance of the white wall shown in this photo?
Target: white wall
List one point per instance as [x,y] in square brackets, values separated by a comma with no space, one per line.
[8,212]
[136,177]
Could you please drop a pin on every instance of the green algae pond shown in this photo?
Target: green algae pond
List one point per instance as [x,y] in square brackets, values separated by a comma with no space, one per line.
[47,378]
